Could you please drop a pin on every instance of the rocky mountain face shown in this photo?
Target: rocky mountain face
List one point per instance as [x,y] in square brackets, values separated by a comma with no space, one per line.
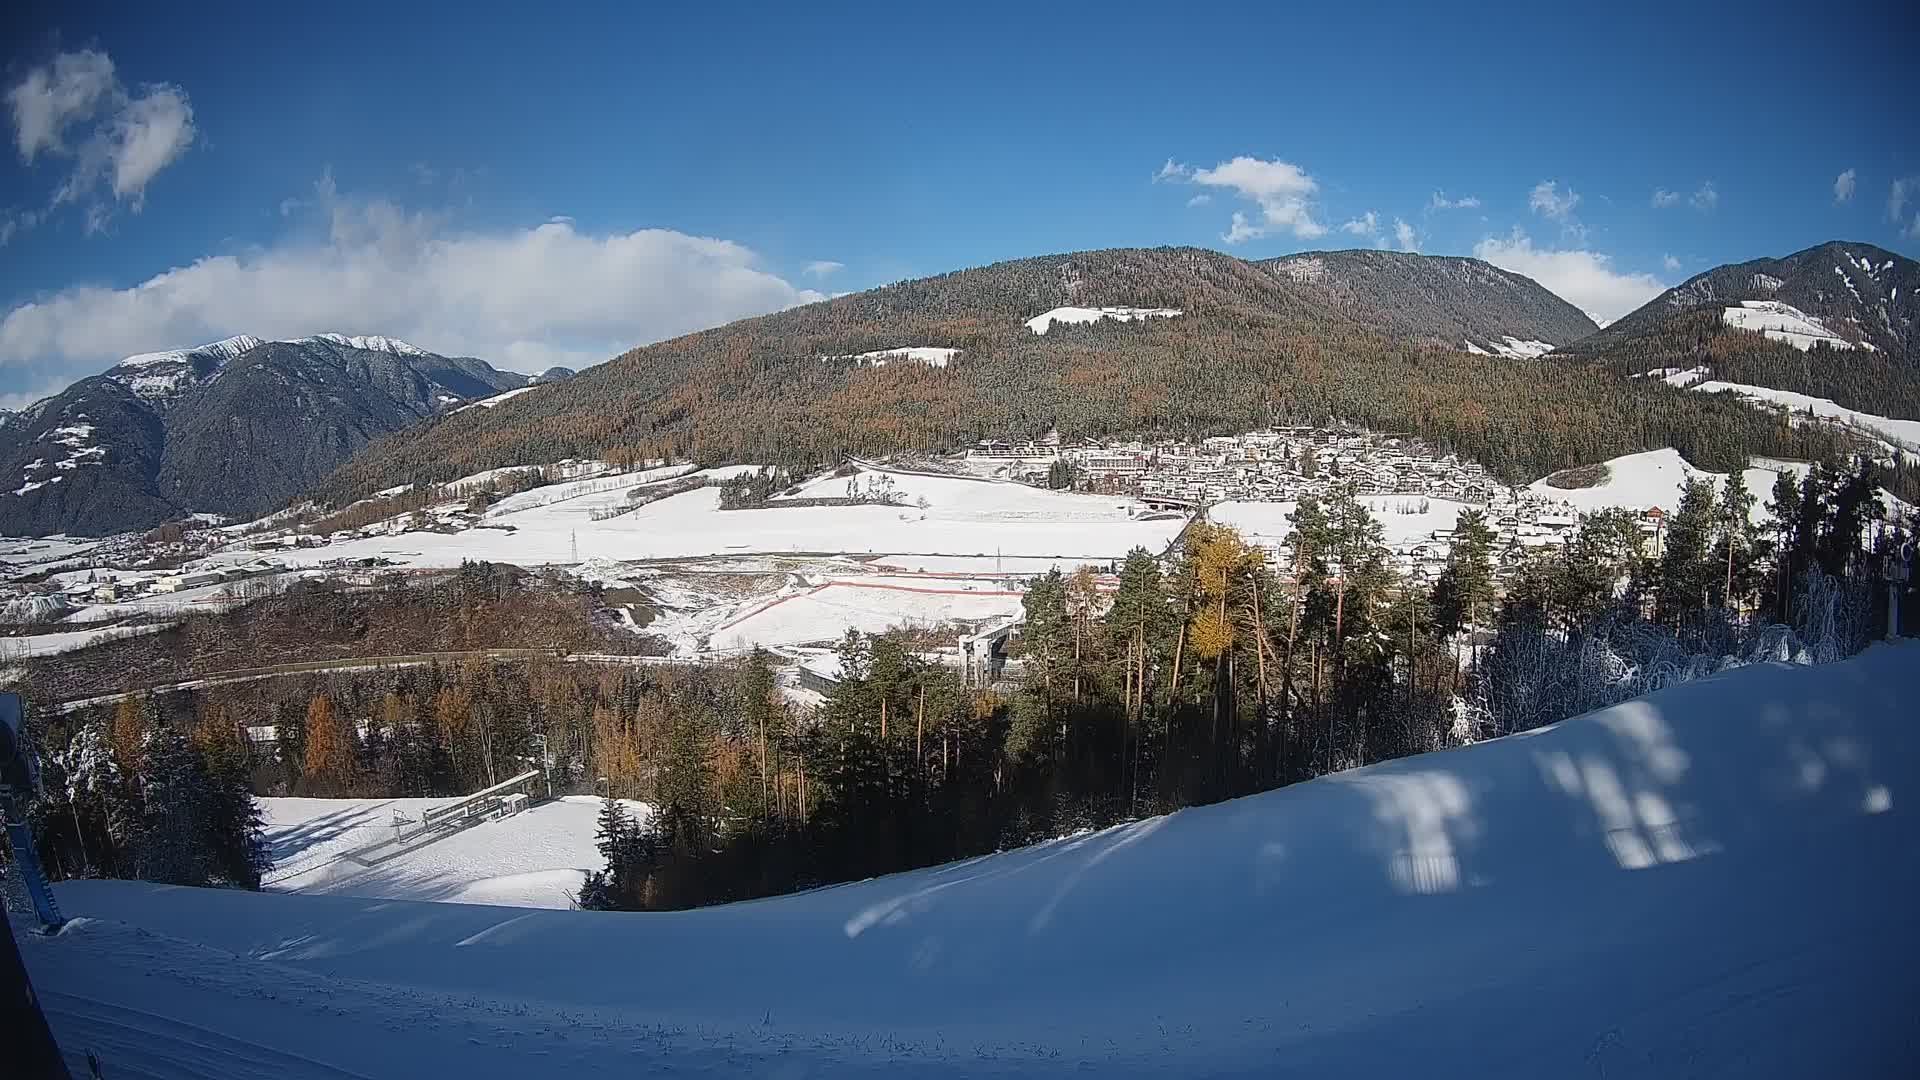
[235,427]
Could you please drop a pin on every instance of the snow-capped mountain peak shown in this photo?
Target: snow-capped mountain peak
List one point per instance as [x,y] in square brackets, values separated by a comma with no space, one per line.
[223,350]
[369,342]
[157,376]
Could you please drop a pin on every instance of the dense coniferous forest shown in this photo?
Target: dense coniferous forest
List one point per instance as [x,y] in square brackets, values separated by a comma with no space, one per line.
[1253,348]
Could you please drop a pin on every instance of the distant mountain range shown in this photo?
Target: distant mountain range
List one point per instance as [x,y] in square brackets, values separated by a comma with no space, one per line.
[234,427]
[1126,342]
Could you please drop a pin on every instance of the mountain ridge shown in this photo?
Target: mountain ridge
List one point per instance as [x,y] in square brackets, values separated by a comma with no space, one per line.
[235,426]
[1172,342]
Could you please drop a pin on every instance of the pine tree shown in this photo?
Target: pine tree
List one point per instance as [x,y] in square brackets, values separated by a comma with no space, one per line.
[1734,544]
[614,825]
[175,812]
[236,831]
[1686,563]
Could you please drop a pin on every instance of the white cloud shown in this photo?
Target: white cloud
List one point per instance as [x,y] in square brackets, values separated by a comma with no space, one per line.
[1898,195]
[1242,230]
[1704,197]
[1669,264]
[1465,202]
[1280,189]
[1201,199]
[823,267]
[54,97]
[1403,233]
[520,298]
[1843,186]
[124,139]
[1582,278]
[1548,200]
[1367,224]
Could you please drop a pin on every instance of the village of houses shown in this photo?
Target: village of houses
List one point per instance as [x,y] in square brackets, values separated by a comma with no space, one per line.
[1396,475]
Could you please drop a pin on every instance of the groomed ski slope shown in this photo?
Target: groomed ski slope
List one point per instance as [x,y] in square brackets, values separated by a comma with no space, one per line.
[533,859]
[1715,880]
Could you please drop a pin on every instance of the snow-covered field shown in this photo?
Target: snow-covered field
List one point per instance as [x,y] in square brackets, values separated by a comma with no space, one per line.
[1400,516]
[1715,880]
[826,612]
[1044,321]
[961,517]
[1657,477]
[930,355]
[1514,348]
[22,555]
[1635,481]
[534,859]
[27,646]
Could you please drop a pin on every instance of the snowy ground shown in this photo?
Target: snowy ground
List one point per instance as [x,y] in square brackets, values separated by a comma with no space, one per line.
[961,517]
[1400,517]
[1657,477]
[533,859]
[1783,322]
[28,646]
[1716,880]
[1901,434]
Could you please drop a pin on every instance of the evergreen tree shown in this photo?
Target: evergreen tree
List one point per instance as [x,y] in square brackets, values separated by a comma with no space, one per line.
[1734,545]
[175,812]
[1465,591]
[1686,573]
[614,825]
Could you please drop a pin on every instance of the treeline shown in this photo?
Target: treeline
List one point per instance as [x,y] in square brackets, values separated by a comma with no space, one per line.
[1251,349]
[138,795]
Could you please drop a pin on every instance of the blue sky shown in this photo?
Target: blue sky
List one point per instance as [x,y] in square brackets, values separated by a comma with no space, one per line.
[533,186]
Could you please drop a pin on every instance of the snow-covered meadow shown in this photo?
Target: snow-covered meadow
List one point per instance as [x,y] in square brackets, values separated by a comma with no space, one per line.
[1714,879]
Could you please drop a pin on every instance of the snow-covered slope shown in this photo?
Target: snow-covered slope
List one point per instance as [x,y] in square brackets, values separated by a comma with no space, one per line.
[1715,880]
[533,859]
[1783,322]
[930,355]
[1044,321]
[1634,481]
[1900,434]
[159,376]
[369,342]
[1515,349]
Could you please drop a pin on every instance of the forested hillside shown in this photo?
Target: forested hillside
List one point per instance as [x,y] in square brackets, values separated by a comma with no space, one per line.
[1252,347]
[1860,292]
[1434,298]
